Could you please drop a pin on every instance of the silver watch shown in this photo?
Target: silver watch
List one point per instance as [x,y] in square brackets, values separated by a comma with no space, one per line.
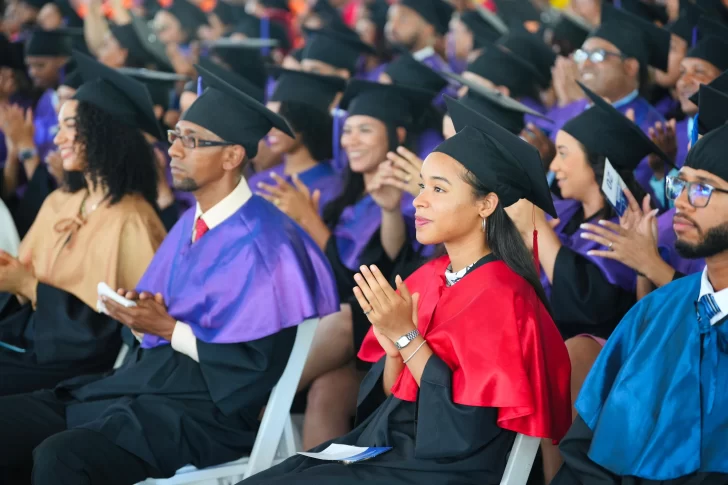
[405,339]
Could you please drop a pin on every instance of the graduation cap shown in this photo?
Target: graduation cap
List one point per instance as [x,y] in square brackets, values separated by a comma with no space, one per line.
[635,37]
[500,160]
[69,14]
[36,4]
[378,11]
[307,88]
[250,27]
[711,49]
[571,28]
[517,12]
[189,15]
[142,44]
[11,54]
[686,23]
[533,49]
[603,130]
[708,153]
[124,98]
[159,84]
[73,79]
[392,104]
[720,83]
[504,68]
[52,43]
[485,31]
[244,57]
[712,103]
[233,115]
[650,12]
[494,105]
[408,71]
[435,12]
[229,14]
[335,48]
[234,79]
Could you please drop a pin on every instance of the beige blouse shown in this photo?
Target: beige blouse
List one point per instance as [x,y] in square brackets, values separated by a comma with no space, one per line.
[115,244]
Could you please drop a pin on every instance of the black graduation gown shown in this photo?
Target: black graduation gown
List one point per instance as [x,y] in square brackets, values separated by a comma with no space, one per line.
[63,338]
[434,440]
[170,215]
[171,411]
[578,469]
[25,209]
[582,299]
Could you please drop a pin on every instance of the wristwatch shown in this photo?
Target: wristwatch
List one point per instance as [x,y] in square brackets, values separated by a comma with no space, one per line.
[405,339]
[26,154]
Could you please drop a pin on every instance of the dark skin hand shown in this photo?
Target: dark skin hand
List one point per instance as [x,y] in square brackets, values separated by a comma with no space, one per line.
[149,316]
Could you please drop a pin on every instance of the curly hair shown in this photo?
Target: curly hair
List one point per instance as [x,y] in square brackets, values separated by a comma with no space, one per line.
[315,126]
[118,156]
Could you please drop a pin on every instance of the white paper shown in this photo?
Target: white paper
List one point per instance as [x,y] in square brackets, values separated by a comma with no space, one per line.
[613,187]
[336,452]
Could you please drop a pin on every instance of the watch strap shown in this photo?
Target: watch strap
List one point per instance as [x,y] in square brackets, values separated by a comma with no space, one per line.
[405,339]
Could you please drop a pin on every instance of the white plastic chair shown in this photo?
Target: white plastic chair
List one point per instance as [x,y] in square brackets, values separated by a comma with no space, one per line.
[520,460]
[277,438]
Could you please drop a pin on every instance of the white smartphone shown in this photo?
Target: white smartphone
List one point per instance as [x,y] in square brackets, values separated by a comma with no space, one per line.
[105,290]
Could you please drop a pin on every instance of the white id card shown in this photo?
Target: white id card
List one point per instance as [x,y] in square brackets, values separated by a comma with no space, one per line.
[613,187]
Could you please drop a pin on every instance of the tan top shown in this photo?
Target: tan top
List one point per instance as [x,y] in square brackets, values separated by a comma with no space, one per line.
[115,244]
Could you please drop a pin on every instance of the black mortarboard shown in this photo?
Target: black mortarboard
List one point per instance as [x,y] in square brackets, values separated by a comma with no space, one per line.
[243,56]
[392,104]
[276,4]
[51,43]
[159,84]
[189,15]
[338,49]
[297,54]
[569,27]
[233,115]
[229,14]
[711,49]
[37,4]
[124,98]
[504,68]
[603,130]
[232,78]
[435,12]
[720,83]
[308,88]
[711,26]
[532,49]
[635,37]
[650,12]
[687,21]
[73,79]
[709,153]
[516,12]
[712,107]
[142,44]
[408,71]
[501,109]
[11,54]
[378,11]
[500,160]
[484,32]
[251,27]
[69,14]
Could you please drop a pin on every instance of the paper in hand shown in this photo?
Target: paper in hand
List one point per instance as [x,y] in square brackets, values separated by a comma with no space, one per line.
[613,187]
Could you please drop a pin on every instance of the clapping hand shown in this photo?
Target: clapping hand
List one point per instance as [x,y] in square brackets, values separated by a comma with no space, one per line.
[383,189]
[663,135]
[405,170]
[296,200]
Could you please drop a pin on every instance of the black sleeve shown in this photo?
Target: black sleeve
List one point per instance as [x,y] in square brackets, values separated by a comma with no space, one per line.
[25,209]
[582,300]
[64,329]
[578,469]
[242,375]
[445,429]
[677,275]
[371,392]
[170,215]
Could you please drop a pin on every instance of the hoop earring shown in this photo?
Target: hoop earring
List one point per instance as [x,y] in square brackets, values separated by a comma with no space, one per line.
[484,224]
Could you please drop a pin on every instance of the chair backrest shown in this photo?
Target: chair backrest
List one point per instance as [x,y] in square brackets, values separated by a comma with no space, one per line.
[520,460]
[277,411]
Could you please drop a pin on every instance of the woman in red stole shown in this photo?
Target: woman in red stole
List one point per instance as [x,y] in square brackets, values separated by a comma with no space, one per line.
[465,353]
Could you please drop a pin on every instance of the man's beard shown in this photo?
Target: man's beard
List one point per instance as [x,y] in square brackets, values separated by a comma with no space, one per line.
[715,241]
[186,185]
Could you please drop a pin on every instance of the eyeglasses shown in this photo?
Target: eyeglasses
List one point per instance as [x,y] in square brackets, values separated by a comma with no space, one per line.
[189,141]
[596,56]
[698,193]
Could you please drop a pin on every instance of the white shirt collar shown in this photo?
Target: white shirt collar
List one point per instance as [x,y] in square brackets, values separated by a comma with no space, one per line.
[424,53]
[721,297]
[226,207]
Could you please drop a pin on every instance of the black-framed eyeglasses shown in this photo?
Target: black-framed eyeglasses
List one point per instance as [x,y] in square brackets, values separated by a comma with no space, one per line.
[596,56]
[189,141]
[699,193]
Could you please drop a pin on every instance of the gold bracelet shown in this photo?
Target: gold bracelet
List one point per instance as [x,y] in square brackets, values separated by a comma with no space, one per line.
[416,350]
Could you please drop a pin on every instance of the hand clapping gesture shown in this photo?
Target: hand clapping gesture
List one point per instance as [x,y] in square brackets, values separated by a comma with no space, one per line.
[383,190]
[663,135]
[405,168]
[296,200]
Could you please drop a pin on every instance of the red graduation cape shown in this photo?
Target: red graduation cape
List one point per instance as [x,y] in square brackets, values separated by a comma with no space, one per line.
[500,342]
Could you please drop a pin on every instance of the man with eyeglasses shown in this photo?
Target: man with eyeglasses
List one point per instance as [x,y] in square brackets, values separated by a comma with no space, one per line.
[654,408]
[215,316]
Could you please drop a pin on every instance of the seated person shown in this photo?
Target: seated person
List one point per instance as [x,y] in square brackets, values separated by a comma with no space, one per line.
[212,348]
[652,410]
[100,226]
[461,350]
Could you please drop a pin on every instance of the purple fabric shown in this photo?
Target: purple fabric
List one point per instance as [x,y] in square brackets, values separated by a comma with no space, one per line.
[615,272]
[252,276]
[682,137]
[666,245]
[270,87]
[45,121]
[428,141]
[544,125]
[320,177]
[436,63]
[372,75]
[357,225]
[667,105]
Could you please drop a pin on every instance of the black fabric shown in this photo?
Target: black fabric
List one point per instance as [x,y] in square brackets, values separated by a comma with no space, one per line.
[307,88]
[336,48]
[248,85]
[435,12]
[578,469]
[532,49]
[709,153]
[712,106]
[434,440]
[170,215]
[24,210]
[711,49]
[394,105]
[408,71]
[505,68]
[51,43]
[483,32]
[243,59]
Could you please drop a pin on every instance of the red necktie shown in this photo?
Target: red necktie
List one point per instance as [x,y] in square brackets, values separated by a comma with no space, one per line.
[200,228]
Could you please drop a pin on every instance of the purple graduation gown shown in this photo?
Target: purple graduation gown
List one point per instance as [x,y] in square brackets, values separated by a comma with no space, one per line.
[252,276]
[321,177]
[428,141]
[666,246]
[682,137]
[45,121]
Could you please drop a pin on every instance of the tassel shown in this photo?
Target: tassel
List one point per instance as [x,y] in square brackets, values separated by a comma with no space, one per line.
[694,37]
[338,115]
[535,241]
[694,132]
[199,86]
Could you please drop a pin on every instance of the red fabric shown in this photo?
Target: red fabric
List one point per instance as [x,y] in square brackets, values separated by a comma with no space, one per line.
[200,228]
[500,343]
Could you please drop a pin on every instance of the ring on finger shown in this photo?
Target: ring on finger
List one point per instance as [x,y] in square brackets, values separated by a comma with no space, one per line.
[610,245]
[277,202]
[368,311]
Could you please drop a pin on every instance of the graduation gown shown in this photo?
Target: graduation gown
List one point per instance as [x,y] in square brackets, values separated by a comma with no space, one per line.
[61,333]
[444,431]
[588,294]
[45,121]
[661,382]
